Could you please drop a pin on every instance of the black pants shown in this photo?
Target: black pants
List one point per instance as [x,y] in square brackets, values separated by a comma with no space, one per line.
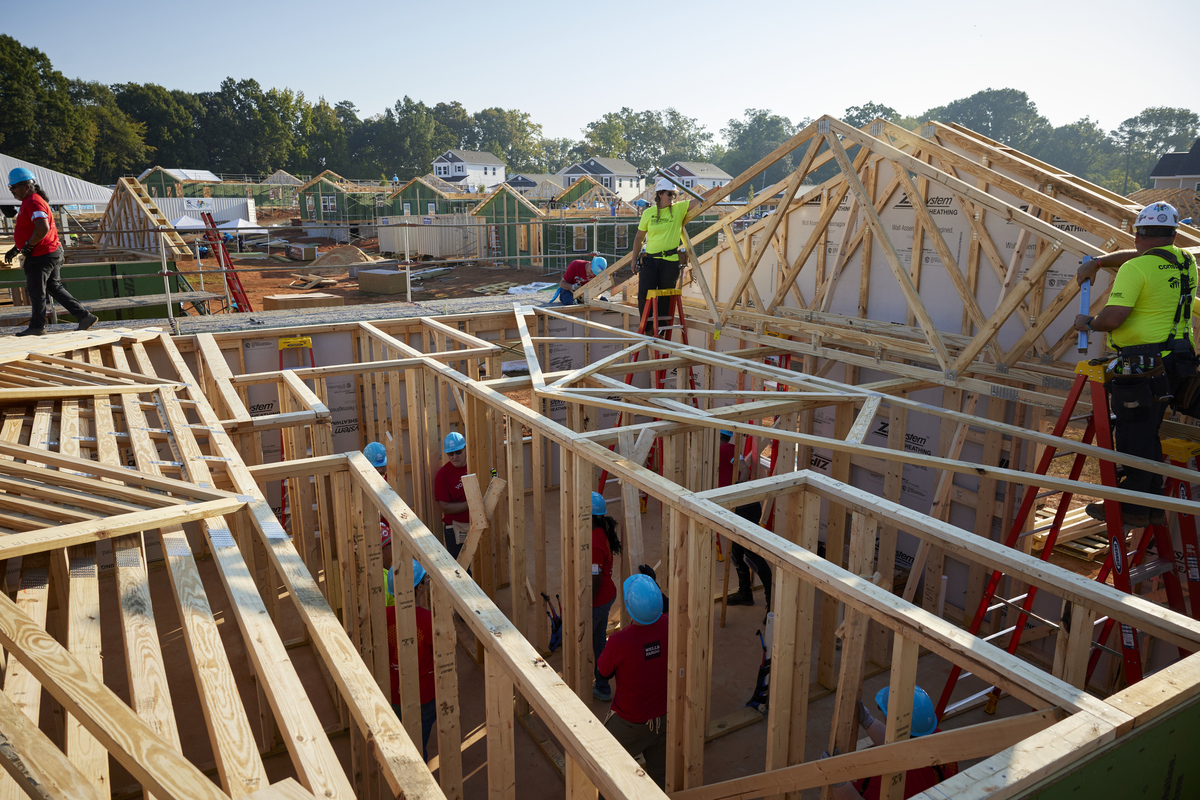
[657,273]
[744,559]
[1137,416]
[43,278]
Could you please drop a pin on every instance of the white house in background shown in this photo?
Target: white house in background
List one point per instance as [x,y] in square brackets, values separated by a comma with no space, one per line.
[468,169]
[698,175]
[1178,170]
[614,174]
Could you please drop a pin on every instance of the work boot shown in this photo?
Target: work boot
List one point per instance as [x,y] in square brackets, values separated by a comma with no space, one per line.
[87,322]
[32,332]
[1130,519]
[741,598]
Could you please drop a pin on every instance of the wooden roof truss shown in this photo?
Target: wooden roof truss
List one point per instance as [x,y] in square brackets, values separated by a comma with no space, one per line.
[1056,215]
[133,222]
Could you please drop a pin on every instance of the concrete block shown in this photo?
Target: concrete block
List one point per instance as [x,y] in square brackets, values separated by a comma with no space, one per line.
[277,302]
[381,281]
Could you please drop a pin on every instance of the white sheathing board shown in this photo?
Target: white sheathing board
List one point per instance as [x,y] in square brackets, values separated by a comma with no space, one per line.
[887,303]
[262,355]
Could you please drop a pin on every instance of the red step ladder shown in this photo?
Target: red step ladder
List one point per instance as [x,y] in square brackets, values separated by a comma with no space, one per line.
[1126,574]
[1179,452]
[648,326]
[241,303]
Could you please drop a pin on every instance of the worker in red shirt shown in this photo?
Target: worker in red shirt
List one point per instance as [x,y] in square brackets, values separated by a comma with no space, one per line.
[424,646]
[916,780]
[637,657]
[743,560]
[36,238]
[579,272]
[448,492]
[605,544]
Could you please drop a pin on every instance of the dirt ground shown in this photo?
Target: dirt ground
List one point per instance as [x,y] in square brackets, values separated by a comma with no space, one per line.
[263,274]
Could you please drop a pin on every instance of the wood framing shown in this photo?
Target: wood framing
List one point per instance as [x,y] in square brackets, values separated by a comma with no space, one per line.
[816,335]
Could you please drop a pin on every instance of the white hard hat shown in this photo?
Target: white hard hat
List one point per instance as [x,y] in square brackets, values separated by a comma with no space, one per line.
[1162,215]
[663,183]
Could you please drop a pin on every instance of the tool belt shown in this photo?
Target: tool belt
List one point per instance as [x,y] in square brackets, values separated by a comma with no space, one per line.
[663,254]
[461,529]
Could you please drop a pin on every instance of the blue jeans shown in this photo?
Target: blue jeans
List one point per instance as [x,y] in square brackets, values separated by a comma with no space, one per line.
[600,638]
[428,717]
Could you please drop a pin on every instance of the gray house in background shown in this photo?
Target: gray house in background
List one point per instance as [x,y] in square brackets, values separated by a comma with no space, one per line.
[1178,170]
[698,175]
[615,174]
[469,169]
[528,180]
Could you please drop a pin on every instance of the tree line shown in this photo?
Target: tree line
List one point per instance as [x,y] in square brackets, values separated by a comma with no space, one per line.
[100,132]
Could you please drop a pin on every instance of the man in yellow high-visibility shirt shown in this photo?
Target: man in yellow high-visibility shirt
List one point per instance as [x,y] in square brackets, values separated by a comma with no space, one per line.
[1148,320]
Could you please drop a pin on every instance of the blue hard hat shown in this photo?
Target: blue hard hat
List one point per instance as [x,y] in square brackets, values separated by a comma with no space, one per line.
[924,720]
[376,454]
[727,434]
[418,573]
[454,442]
[19,175]
[599,264]
[599,507]
[643,599]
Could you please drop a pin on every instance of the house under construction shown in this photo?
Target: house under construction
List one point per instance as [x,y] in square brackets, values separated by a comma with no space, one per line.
[891,349]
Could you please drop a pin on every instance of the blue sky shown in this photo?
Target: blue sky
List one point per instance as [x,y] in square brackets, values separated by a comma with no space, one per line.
[568,63]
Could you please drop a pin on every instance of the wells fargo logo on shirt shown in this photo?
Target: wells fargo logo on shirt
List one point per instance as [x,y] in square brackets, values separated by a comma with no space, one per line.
[652,650]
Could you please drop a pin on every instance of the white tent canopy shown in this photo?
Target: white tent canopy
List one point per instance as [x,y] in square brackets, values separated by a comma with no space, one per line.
[241,226]
[186,223]
[62,189]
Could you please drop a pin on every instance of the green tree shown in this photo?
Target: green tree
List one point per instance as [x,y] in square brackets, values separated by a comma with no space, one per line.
[754,136]
[605,137]
[457,122]
[868,112]
[320,141]
[648,138]
[1078,148]
[118,144]
[1144,139]
[39,123]
[555,154]
[171,120]
[510,134]
[1006,115]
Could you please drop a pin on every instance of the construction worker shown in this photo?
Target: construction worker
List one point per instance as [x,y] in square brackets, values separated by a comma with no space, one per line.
[448,492]
[424,647]
[637,657]
[579,272]
[377,455]
[605,545]
[660,229]
[35,237]
[924,722]
[743,560]
[1148,322]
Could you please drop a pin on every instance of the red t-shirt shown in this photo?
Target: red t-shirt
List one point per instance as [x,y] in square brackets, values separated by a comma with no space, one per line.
[577,272]
[915,780]
[448,488]
[637,656]
[602,564]
[424,653]
[34,207]
[725,468]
